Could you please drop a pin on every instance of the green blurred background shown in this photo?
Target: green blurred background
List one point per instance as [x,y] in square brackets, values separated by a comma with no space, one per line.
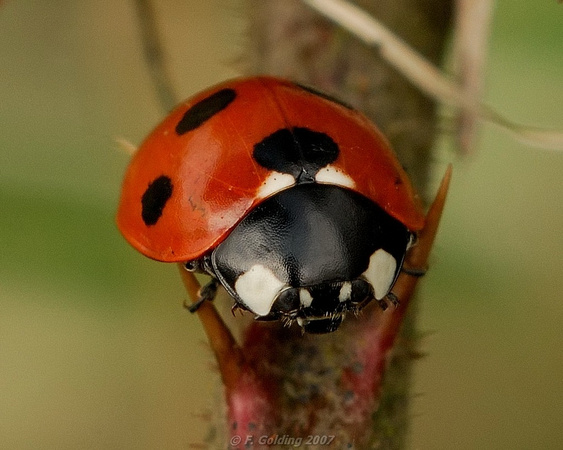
[95,348]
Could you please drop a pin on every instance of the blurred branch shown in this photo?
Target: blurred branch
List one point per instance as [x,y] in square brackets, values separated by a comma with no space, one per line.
[471,37]
[154,55]
[427,77]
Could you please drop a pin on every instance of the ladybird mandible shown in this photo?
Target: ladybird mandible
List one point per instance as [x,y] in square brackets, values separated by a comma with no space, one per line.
[291,200]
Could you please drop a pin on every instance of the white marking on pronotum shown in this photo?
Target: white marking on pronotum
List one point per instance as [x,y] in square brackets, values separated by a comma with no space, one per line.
[345,292]
[305,297]
[275,182]
[258,288]
[381,272]
[332,175]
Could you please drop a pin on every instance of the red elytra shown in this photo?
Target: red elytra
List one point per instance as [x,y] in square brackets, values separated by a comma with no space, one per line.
[215,181]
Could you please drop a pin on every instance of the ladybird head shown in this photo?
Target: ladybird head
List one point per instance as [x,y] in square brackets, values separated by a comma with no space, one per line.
[311,254]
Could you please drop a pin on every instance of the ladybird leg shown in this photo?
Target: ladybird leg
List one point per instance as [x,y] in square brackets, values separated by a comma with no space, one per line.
[237,307]
[206,292]
[382,303]
[229,355]
[393,299]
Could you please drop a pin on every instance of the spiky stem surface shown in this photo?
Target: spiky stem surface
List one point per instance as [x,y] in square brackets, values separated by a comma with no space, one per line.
[351,386]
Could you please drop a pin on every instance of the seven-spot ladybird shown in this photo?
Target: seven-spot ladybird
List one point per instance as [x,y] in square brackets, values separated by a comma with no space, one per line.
[290,199]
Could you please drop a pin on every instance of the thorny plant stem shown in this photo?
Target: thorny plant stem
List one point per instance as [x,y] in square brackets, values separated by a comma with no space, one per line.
[253,401]
[255,392]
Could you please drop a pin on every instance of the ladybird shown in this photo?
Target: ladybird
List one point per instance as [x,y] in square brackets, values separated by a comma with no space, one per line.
[291,200]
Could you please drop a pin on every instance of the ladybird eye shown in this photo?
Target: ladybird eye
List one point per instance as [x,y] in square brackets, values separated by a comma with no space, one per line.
[191,266]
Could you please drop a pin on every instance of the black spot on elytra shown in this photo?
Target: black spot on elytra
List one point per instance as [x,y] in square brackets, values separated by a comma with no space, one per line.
[301,152]
[154,199]
[204,110]
[324,95]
